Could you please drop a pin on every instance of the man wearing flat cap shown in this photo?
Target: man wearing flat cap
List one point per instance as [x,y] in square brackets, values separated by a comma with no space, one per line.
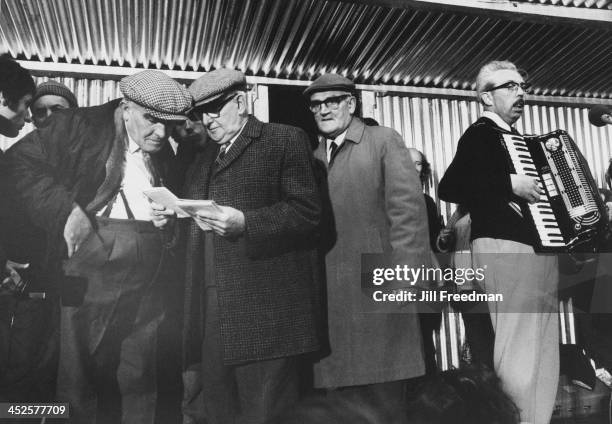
[251,304]
[81,177]
[378,207]
[49,97]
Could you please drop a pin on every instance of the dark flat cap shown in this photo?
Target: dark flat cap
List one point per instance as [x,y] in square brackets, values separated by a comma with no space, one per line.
[216,85]
[159,94]
[55,88]
[596,112]
[330,82]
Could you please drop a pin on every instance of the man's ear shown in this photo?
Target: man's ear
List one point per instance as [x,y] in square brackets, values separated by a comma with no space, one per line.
[353,105]
[3,101]
[125,107]
[242,103]
[486,99]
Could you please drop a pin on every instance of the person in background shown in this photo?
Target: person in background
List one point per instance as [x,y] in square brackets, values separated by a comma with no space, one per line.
[470,395]
[601,115]
[18,376]
[50,96]
[429,321]
[378,207]
[81,177]
[526,346]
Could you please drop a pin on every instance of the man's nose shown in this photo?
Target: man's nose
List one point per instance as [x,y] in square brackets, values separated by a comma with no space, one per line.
[160,130]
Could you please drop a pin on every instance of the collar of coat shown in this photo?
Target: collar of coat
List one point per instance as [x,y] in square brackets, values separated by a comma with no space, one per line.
[251,131]
[354,132]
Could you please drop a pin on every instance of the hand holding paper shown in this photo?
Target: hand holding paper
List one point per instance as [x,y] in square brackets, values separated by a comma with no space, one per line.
[224,220]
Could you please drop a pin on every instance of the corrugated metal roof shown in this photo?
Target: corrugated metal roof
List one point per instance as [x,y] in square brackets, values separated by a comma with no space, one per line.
[593,4]
[300,39]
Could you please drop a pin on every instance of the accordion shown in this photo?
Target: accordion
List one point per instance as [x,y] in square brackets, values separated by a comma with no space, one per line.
[570,215]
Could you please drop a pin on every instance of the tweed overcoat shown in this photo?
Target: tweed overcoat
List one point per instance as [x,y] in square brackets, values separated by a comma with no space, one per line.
[378,207]
[266,279]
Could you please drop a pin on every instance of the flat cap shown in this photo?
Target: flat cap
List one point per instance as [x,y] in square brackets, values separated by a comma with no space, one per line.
[160,95]
[596,113]
[216,85]
[330,82]
[55,88]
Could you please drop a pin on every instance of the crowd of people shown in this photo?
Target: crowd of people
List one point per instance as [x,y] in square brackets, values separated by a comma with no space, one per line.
[264,275]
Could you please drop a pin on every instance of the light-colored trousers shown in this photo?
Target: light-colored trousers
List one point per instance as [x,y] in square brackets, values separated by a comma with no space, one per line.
[526,323]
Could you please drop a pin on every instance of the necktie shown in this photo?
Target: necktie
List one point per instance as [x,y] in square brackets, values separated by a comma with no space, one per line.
[221,153]
[333,151]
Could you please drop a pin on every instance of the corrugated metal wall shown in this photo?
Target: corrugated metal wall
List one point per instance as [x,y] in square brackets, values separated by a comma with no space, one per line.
[434,126]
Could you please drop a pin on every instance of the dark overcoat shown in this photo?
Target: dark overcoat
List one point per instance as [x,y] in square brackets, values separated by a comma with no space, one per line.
[63,163]
[266,279]
[378,207]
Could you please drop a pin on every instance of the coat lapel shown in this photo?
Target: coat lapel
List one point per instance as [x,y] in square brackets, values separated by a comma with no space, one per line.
[251,131]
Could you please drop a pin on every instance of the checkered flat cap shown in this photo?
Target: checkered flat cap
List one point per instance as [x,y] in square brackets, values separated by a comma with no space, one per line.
[330,82]
[216,85]
[160,95]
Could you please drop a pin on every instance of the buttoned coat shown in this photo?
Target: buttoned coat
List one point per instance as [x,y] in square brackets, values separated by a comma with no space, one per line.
[378,207]
[266,279]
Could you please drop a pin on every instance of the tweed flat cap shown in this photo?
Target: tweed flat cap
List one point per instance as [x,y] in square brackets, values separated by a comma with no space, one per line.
[159,94]
[596,113]
[55,88]
[216,85]
[330,82]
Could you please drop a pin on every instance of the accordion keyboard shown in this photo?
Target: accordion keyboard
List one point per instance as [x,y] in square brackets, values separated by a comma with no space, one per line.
[541,212]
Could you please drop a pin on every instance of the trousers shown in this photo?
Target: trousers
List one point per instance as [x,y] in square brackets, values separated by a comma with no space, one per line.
[109,321]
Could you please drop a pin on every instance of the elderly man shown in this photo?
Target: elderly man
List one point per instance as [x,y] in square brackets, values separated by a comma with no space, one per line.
[255,271]
[526,347]
[378,207]
[50,96]
[81,177]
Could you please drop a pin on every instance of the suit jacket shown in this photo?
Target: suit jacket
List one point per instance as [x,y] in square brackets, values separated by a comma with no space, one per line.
[266,279]
[378,207]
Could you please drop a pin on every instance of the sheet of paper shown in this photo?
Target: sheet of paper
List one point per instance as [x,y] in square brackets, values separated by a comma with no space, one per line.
[192,207]
[164,197]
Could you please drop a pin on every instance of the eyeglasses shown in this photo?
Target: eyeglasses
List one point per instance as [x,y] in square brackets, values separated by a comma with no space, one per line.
[212,111]
[331,103]
[513,87]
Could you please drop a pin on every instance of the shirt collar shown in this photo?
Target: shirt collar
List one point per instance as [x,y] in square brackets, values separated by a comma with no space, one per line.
[133,147]
[497,119]
[338,140]
[234,138]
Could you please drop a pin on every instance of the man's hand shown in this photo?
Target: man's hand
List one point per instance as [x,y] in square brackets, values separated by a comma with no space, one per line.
[228,222]
[525,187]
[77,229]
[161,216]
[12,270]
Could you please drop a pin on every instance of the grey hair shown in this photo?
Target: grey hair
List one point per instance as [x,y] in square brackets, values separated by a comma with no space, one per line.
[487,69]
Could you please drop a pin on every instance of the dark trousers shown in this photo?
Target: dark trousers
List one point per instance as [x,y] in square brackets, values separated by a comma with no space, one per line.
[243,394]
[28,348]
[108,338]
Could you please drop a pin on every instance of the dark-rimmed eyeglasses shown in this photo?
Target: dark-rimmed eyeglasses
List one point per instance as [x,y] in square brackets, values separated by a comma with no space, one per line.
[513,87]
[213,111]
[331,103]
